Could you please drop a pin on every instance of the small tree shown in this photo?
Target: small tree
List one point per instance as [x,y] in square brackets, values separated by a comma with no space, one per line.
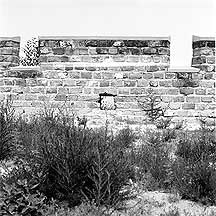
[151,104]
[31,51]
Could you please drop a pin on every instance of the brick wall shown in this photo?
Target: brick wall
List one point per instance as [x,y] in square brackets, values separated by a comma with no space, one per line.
[75,70]
[204,53]
[9,51]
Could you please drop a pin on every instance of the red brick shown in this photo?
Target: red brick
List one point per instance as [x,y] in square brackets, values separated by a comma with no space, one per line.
[75,90]
[200,91]
[193,99]
[207,83]
[51,90]
[55,83]
[87,90]
[153,83]
[108,75]
[92,51]
[165,83]
[165,59]
[133,59]
[148,75]
[104,83]
[62,90]
[127,68]
[69,82]
[123,91]
[211,91]
[211,60]
[146,59]
[86,75]
[187,106]
[129,83]
[86,58]
[142,83]
[198,60]
[102,90]
[159,75]
[152,68]
[75,75]
[174,106]
[61,97]
[113,50]
[186,90]
[117,83]
[102,50]
[31,97]
[96,75]
[83,51]
[148,50]
[91,68]
[135,75]
[137,91]
[172,91]
[156,59]
[170,75]
[118,58]
[178,99]
[21,82]
[58,51]
[167,98]
[37,90]
[81,82]
[208,76]
[207,99]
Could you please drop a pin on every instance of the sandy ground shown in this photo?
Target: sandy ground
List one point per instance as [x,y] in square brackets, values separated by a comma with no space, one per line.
[165,204]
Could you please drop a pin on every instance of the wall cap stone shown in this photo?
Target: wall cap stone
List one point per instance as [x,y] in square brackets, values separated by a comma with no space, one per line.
[16,38]
[103,38]
[197,38]
[25,68]
[183,70]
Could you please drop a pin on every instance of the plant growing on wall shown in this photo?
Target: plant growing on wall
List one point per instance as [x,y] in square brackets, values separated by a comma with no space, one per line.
[31,53]
[151,104]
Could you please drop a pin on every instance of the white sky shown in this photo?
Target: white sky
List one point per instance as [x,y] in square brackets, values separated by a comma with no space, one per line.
[179,19]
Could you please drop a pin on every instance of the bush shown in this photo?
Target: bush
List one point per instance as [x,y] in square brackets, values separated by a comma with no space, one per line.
[31,51]
[20,198]
[153,158]
[71,163]
[7,130]
[193,172]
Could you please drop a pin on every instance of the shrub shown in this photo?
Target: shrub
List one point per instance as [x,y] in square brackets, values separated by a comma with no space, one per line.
[193,173]
[153,157]
[71,163]
[31,51]
[7,130]
[20,198]
[151,104]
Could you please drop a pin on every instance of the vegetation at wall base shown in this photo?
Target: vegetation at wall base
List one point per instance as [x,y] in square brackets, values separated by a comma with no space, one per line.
[60,166]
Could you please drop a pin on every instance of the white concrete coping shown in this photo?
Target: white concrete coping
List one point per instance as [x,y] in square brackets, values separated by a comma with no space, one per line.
[184,70]
[103,38]
[197,38]
[25,68]
[16,38]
